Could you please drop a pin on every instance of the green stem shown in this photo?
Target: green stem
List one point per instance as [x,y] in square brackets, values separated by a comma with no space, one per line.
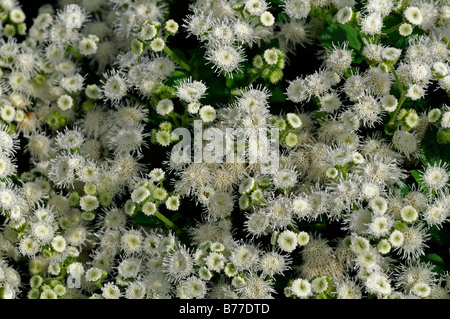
[74,52]
[177,58]
[391,66]
[254,77]
[242,13]
[166,37]
[391,122]
[191,119]
[135,98]
[166,221]
[184,118]
[174,119]
[61,276]
[392,29]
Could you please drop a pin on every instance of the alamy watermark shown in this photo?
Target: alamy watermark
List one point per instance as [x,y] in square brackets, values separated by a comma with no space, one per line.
[227,145]
[73,281]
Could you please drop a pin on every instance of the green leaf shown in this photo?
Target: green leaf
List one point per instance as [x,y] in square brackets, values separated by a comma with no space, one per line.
[443,136]
[176,76]
[400,226]
[435,259]
[391,21]
[229,82]
[148,221]
[217,93]
[437,262]
[274,43]
[180,54]
[282,17]
[358,58]
[439,236]
[236,79]
[432,151]
[278,2]
[176,216]
[417,176]
[277,96]
[405,189]
[340,33]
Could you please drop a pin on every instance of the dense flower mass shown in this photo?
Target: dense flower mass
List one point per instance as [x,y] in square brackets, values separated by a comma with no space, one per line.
[225,149]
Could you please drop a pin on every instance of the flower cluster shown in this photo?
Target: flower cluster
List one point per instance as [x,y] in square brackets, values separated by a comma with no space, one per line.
[296,184]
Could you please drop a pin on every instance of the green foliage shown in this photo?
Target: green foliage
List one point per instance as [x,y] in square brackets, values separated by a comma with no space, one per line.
[278,95]
[147,221]
[432,151]
[336,34]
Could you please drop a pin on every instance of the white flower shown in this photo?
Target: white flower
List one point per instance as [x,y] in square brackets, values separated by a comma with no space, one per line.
[149,208]
[164,107]
[396,238]
[297,9]
[293,120]
[421,290]
[140,194]
[301,288]
[7,113]
[115,87]
[65,102]
[380,226]
[287,241]
[76,269]
[445,121]
[372,24]
[191,91]
[59,243]
[405,29]
[255,7]
[111,291]
[225,58]
[17,15]
[406,143]
[267,19]
[302,238]
[413,15]
[271,56]
[157,44]
[378,284]
[344,15]
[89,203]
[391,54]
[87,46]
[171,26]
[173,202]
[207,113]
[435,176]
[389,102]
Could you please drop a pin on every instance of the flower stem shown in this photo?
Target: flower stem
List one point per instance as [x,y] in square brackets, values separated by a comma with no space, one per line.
[391,122]
[392,29]
[74,52]
[166,221]
[253,77]
[184,118]
[135,98]
[175,120]
[177,58]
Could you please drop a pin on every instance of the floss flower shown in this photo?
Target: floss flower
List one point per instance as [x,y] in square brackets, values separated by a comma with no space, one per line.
[197,149]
